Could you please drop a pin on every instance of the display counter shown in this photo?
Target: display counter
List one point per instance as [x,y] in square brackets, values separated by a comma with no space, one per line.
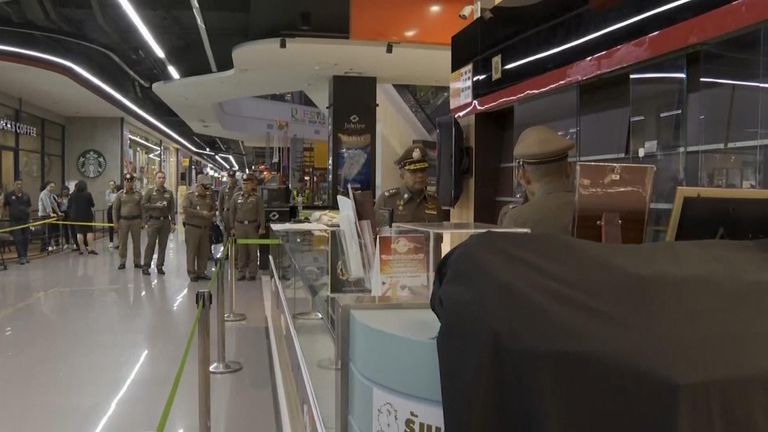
[347,360]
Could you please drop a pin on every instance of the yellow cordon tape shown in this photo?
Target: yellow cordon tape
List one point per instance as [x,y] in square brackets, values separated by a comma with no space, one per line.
[53,221]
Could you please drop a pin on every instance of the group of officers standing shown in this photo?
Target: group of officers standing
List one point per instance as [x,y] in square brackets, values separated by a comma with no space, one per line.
[241,210]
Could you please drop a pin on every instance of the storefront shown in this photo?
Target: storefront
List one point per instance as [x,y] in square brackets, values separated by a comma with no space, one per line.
[31,148]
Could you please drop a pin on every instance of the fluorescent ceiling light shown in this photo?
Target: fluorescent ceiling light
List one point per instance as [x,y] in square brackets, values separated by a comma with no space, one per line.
[742,83]
[154,157]
[410,33]
[135,138]
[597,34]
[234,164]
[657,75]
[85,74]
[435,8]
[670,113]
[174,72]
[128,8]
[218,158]
[206,152]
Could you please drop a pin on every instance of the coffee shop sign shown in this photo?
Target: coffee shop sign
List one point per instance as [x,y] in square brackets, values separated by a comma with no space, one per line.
[16,127]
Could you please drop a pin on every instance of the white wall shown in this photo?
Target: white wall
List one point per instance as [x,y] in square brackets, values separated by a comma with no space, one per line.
[103,134]
[396,129]
[11,101]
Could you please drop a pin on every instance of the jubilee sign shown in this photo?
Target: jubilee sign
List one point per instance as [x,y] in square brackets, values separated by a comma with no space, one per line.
[16,127]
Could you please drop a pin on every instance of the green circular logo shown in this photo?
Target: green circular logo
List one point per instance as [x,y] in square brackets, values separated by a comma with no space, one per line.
[91,163]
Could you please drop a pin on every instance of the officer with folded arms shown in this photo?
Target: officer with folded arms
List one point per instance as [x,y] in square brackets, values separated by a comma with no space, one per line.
[128,215]
[247,218]
[160,214]
[199,212]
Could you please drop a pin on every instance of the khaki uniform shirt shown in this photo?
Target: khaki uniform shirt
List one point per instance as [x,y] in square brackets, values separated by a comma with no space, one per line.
[246,207]
[127,205]
[549,212]
[195,207]
[409,208]
[225,197]
[159,204]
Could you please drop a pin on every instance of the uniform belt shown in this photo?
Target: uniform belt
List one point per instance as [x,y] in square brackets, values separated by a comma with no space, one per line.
[245,222]
[195,226]
[130,217]
[159,218]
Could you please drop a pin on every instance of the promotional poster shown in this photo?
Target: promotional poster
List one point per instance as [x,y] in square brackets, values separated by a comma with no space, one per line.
[403,266]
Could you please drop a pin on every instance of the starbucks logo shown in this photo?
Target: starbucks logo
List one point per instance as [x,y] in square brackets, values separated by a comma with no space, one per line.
[91,163]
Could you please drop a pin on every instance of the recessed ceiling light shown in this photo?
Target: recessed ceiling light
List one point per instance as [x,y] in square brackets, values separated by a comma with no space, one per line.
[410,33]
[435,8]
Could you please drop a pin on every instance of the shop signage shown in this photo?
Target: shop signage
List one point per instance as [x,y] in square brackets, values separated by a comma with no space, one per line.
[496,68]
[395,413]
[91,163]
[16,127]
[461,87]
[402,266]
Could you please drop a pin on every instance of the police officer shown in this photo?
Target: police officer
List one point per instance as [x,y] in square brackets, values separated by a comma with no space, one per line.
[129,219]
[247,218]
[160,220]
[546,175]
[225,198]
[199,211]
[411,202]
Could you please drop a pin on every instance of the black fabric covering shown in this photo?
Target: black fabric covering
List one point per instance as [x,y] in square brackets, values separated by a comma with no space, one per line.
[549,333]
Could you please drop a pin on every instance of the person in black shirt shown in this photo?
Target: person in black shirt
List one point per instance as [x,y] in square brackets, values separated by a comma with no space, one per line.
[18,205]
[81,210]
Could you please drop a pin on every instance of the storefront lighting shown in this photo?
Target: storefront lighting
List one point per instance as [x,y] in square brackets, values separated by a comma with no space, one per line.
[128,8]
[174,73]
[135,138]
[85,74]
[598,34]
[657,75]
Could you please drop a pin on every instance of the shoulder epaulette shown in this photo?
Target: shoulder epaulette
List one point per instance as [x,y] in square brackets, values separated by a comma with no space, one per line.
[392,192]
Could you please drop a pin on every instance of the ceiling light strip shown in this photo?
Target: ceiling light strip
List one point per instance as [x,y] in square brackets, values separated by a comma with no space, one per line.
[85,74]
[598,34]
[234,164]
[731,82]
[135,138]
[137,21]
[204,34]
[218,158]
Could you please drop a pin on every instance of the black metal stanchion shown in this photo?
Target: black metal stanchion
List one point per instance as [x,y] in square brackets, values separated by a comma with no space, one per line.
[203,360]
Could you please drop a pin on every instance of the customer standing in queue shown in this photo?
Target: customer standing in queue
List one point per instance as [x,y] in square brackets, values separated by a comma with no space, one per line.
[225,199]
[110,197]
[81,211]
[199,211]
[546,175]
[411,202]
[48,207]
[160,220]
[129,219]
[70,236]
[247,220]
[18,204]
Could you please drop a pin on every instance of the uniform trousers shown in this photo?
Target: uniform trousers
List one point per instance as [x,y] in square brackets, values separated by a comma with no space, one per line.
[130,228]
[198,249]
[247,255]
[158,231]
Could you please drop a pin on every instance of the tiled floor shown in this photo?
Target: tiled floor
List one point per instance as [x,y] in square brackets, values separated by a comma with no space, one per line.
[85,347]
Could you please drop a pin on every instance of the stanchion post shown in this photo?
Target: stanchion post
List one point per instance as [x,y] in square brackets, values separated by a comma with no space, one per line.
[222,366]
[203,360]
[231,315]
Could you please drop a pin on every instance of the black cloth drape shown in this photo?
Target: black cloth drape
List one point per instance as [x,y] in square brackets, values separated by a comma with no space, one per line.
[545,333]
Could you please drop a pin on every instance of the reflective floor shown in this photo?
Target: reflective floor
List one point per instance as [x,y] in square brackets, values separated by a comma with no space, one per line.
[85,347]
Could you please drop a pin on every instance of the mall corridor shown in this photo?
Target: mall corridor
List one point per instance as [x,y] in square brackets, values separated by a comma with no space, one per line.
[86,347]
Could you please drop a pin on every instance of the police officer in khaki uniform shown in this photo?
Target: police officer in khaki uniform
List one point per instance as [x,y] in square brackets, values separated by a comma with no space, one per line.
[225,198]
[128,215]
[160,220]
[411,202]
[546,175]
[247,220]
[199,211]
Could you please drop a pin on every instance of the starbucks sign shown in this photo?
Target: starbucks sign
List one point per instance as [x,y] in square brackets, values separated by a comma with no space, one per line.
[91,163]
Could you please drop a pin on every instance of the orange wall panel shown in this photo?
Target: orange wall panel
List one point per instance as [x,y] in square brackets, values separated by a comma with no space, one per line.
[408,21]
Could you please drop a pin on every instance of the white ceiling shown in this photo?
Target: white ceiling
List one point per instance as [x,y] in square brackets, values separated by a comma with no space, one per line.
[53,92]
[261,68]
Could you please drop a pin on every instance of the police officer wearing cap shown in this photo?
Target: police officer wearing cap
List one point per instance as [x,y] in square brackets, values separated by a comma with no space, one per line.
[411,202]
[225,198]
[160,214]
[546,175]
[128,214]
[199,211]
[247,220]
